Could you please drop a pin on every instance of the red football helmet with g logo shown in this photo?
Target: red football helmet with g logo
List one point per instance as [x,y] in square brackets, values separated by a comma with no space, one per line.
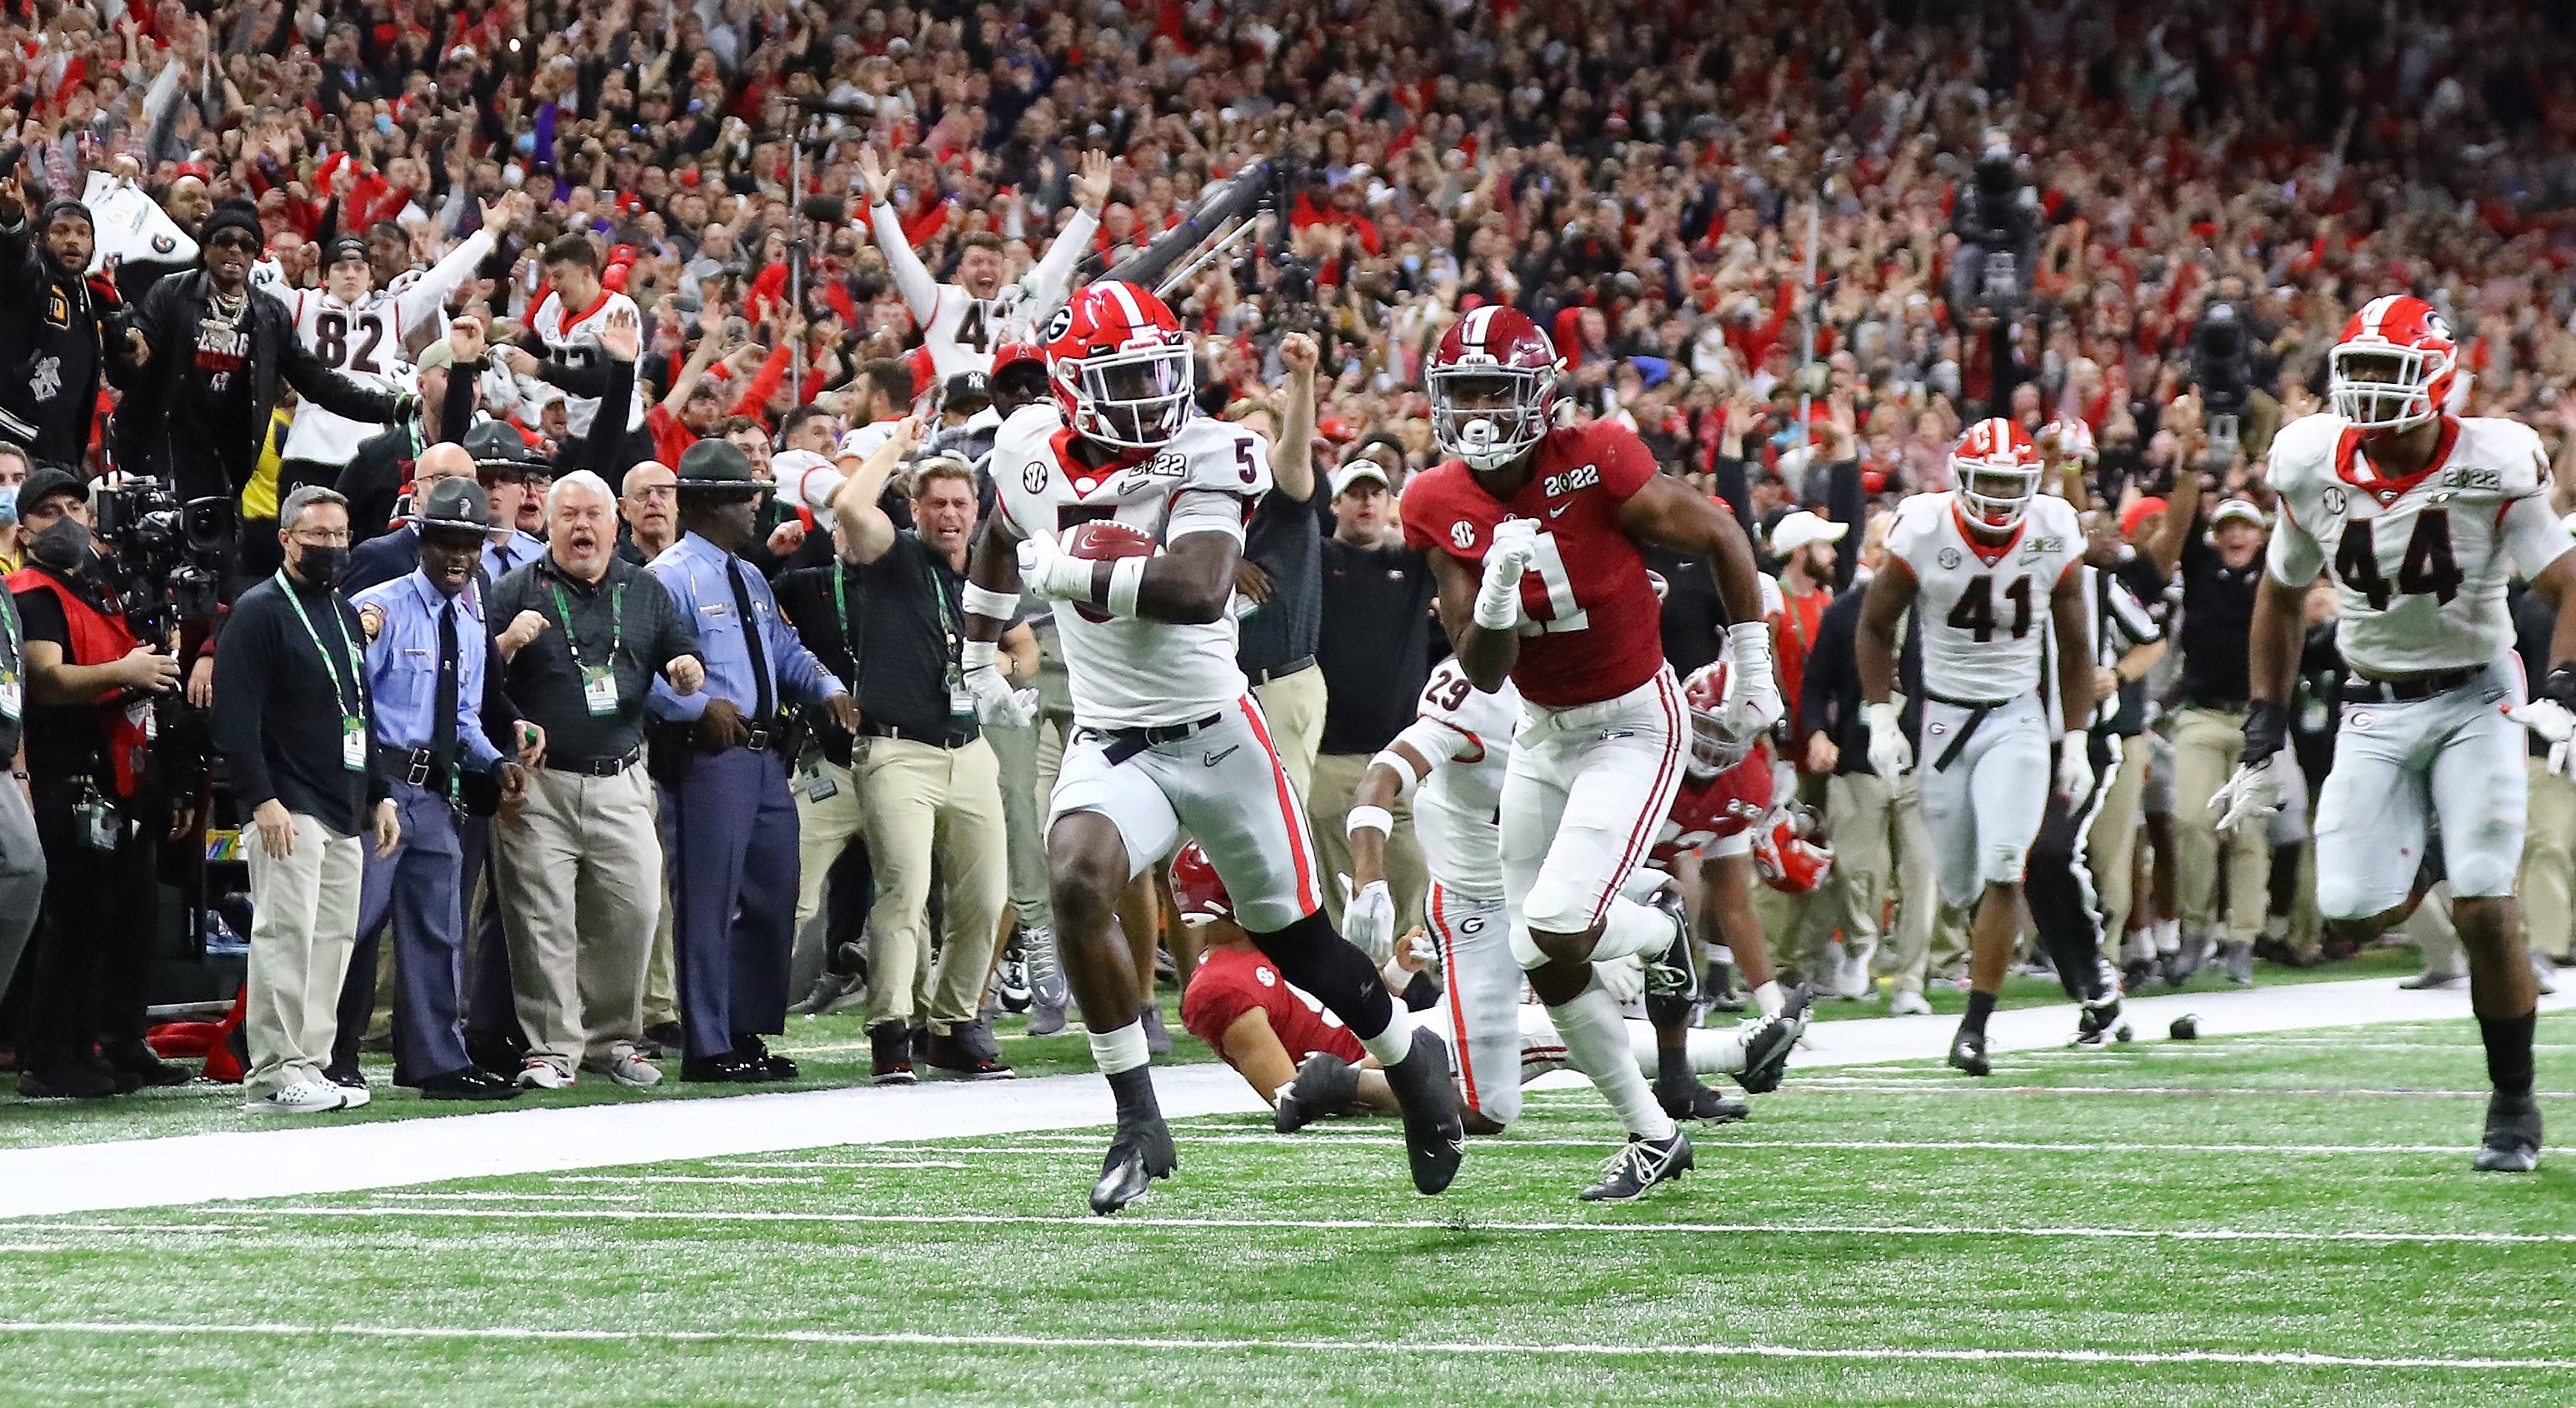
[1712,750]
[1492,381]
[1997,466]
[2394,366]
[1196,887]
[1790,851]
[1120,365]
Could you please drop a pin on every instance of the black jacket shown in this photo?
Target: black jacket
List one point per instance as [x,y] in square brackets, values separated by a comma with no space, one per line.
[1829,701]
[169,318]
[51,352]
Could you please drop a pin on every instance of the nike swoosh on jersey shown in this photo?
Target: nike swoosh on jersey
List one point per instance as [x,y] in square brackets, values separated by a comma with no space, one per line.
[1559,510]
[1212,759]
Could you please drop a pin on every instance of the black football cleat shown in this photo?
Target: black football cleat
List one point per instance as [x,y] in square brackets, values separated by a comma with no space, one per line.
[1968,1053]
[2099,1021]
[1435,1138]
[1640,1165]
[1140,1154]
[2512,1142]
[1325,1085]
[1767,1047]
[1690,1100]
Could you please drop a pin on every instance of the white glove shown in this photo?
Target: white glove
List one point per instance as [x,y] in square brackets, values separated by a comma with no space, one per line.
[1754,705]
[2551,722]
[1890,754]
[1498,599]
[1046,572]
[2252,792]
[1368,919]
[2074,767]
[995,701]
[1624,978]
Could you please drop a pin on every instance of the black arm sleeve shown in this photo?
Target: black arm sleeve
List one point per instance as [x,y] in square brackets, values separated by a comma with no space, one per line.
[1735,486]
[456,410]
[1830,668]
[319,383]
[1844,504]
[608,423]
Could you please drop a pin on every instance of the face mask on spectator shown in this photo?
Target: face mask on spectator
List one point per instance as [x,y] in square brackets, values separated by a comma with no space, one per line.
[8,504]
[64,545]
[322,564]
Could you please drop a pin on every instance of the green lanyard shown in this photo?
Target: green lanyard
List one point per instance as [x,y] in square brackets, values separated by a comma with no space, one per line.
[617,629]
[356,670]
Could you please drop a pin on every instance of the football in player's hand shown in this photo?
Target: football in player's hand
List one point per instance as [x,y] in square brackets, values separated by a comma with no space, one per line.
[1105,540]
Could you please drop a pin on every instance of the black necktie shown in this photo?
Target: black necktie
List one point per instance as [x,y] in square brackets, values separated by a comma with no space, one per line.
[442,723]
[502,550]
[750,636]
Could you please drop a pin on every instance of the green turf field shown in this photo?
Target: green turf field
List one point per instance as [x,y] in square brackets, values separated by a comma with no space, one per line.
[2286,1219]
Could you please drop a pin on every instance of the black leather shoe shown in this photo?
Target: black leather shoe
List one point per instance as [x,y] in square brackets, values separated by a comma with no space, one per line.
[136,1062]
[469,1083]
[1139,1155]
[755,1051]
[502,1056]
[75,1082]
[723,1068]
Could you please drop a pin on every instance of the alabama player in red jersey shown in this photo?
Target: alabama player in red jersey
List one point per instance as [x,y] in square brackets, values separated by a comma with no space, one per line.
[1979,565]
[1532,531]
[1724,800]
[1126,510]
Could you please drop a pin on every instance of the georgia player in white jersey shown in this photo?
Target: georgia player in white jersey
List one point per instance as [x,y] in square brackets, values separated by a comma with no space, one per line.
[2420,517]
[361,330]
[565,329]
[962,323]
[1533,531]
[1987,567]
[1451,762]
[1126,511]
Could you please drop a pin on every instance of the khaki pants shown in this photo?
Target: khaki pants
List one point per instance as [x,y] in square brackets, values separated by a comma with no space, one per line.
[1015,752]
[579,863]
[661,971]
[1881,855]
[922,805]
[2548,860]
[2207,743]
[304,917]
[823,830]
[1294,707]
[2111,847]
[1328,807]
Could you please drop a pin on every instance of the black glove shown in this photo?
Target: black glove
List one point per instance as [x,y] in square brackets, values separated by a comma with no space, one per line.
[2267,727]
[2561,686]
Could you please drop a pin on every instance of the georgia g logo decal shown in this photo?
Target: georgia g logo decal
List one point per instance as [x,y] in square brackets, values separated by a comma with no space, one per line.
[1061,323]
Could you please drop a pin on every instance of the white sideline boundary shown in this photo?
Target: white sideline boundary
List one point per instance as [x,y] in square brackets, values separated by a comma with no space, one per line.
[320,1158]
[1373,1347]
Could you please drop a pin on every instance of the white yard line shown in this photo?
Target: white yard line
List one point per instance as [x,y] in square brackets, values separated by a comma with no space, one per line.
[321,1158]
[1048,1145]
[1372,1346]
[252,1216]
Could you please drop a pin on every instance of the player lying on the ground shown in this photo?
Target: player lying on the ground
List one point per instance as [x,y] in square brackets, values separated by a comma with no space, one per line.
[2420,517]
[1306,1064]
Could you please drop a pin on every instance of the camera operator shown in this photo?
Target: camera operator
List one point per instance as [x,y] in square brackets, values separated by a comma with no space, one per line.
[1996,218]
[2235,413]
[213,359]
[99,811]
[58,328]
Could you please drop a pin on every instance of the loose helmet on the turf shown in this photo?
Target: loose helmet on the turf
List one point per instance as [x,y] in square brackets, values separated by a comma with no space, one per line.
[1712,748]
[1492,381]
[1196,887]
[1790,851]
[2393,368]
[1120,365]
[1997,468]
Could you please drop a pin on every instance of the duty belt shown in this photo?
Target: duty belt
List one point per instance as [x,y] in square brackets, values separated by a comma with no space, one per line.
[1977,711]
[595,767]
[1298,666]
[417,766]
[1125,743]
[2357,690]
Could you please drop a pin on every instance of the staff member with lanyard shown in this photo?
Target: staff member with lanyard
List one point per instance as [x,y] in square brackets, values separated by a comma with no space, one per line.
[578,861]
[929,787]
[293,721]
[728,825]
[426,650]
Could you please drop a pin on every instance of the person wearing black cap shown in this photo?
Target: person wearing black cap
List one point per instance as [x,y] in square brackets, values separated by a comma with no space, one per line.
[97,809]
[213,361]
[425,663]
[728,823]
[293,722]
[55,328]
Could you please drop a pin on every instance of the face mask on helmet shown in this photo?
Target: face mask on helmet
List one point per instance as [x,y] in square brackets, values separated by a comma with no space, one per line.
[1136,399]
[1711,751]
[1487,416]
[1997,494]
[2384,388]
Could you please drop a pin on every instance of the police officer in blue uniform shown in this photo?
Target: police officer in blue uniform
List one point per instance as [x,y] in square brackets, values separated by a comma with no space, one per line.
[728,821]
[427,653]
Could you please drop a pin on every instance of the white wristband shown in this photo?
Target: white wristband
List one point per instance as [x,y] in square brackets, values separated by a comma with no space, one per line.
[1405,781]
[1126,579]
[1377,819]
[983,601]
[976,655]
